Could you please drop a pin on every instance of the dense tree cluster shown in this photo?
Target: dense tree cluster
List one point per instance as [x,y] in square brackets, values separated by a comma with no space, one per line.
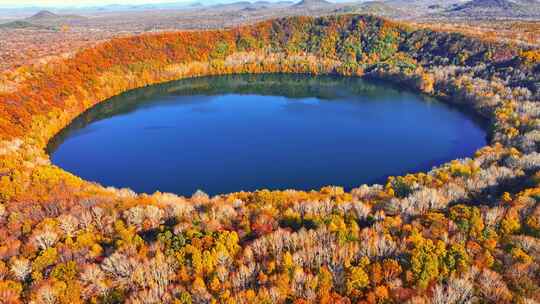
[465,232]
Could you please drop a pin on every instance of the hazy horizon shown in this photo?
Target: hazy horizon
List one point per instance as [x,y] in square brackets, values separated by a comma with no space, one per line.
[97,3]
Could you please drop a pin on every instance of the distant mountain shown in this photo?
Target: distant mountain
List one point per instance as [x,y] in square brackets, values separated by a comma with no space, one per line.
[424,4]
[373,8]
[240,5]
[312,3]
[496,8]
[250,6]
[47,17]
[41,15]
[489,4]
[190,5]
[143,7]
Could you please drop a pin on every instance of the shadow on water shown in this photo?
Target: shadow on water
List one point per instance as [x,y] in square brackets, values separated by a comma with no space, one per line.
[292,86]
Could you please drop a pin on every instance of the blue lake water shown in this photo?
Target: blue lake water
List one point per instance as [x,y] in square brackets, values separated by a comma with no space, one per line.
[246,132]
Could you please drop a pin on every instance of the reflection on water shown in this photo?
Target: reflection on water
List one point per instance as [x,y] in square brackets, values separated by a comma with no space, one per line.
[246,132]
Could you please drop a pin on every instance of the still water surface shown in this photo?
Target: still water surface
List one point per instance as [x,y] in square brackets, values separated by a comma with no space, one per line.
[246,132]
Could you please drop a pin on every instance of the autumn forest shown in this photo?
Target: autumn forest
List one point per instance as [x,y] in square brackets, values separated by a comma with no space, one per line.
[467,231]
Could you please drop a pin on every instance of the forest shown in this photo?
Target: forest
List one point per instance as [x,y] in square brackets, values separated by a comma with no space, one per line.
[465,232]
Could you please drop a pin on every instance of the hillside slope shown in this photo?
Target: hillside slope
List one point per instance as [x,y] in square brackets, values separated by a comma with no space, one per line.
[496,8]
